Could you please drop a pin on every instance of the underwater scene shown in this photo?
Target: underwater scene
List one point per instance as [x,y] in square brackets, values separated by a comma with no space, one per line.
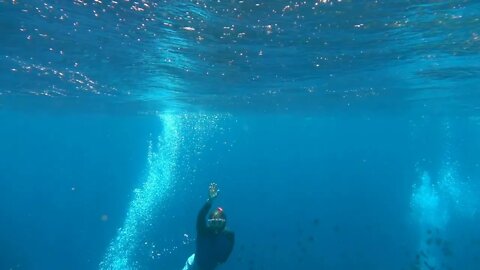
[240,134]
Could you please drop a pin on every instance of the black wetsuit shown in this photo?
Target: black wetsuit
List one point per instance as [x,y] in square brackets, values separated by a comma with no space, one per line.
[212,248]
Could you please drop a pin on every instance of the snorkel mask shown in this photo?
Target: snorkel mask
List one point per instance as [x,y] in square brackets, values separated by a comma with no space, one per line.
[217,220]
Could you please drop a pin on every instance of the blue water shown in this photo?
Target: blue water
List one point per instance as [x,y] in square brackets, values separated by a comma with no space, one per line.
[342,134]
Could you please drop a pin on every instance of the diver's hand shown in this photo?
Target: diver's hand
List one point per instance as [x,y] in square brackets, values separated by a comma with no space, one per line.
[212,191]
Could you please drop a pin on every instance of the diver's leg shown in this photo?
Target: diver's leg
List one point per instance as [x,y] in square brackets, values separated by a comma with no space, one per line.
[189,263]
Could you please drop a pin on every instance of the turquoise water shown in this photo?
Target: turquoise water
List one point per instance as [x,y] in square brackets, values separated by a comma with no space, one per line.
[342,134]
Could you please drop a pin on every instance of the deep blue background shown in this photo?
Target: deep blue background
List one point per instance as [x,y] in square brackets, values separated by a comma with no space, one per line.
[328,192]
[335,109]
[45,223]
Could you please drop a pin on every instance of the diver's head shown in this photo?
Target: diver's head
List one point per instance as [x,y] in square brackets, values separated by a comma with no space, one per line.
[217,220]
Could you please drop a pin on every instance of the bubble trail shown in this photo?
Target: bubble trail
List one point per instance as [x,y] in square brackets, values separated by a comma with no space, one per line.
[432,217]
[159,181]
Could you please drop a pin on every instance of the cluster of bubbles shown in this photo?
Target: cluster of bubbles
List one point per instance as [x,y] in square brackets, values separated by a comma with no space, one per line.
[161,169]
[433,204]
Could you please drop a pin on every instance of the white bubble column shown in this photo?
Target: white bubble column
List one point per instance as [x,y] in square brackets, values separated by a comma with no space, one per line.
[159,181]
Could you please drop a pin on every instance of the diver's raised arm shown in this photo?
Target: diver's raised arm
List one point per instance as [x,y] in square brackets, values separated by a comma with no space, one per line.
[212,194]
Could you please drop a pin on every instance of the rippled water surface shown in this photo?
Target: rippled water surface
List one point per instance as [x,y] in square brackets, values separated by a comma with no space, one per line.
[241,55]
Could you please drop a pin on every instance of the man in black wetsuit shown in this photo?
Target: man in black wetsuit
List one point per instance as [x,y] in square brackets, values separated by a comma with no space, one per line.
[214,243]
